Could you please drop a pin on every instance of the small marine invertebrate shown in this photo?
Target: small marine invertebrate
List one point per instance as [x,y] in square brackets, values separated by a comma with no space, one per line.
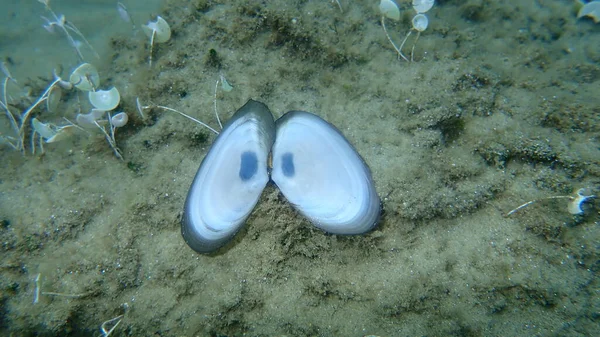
[158,31]
[119,120]
[574,207]
[105,99]
[420,22]
[85,77]
[61,22]
[390,10]
[19,122]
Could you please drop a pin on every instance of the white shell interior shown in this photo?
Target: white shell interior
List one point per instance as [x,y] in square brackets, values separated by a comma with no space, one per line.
[314,166]
[321,174]
[229,182]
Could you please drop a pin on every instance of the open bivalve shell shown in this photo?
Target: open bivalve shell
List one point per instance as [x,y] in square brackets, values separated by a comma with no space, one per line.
[230,179]
[314,166]
[323,176]
[105,100]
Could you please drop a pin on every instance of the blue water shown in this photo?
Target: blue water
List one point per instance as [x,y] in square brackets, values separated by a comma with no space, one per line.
[33,51]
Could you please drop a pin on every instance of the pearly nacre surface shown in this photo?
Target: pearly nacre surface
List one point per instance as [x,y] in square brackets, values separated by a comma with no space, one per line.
[230,179]
[322,176]
[317,170]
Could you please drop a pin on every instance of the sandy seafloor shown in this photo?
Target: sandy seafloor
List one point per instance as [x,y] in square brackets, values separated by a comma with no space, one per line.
[501,106]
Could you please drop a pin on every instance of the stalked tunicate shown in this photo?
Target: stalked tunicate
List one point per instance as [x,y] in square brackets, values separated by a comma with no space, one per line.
[315,167]
[322,175]
[230,179]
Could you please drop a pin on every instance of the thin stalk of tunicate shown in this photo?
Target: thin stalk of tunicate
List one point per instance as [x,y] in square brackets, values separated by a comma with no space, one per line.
[215,103]
[188,117]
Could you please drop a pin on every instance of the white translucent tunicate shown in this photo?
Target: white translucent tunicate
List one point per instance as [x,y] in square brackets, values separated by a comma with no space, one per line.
[45,130]
[420,22]
[389,9]
[89,120]
[85,120]
[96,114]
[583,194]
[422,6]
[123,13]
[119,120]
[50,132]
[105,99]
[161,29]
[62,132]
[85,77]
[53,98]
[225,85]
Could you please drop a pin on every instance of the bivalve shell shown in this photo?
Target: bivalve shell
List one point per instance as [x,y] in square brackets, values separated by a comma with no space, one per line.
[322,176]
[230,179]
[315,167]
